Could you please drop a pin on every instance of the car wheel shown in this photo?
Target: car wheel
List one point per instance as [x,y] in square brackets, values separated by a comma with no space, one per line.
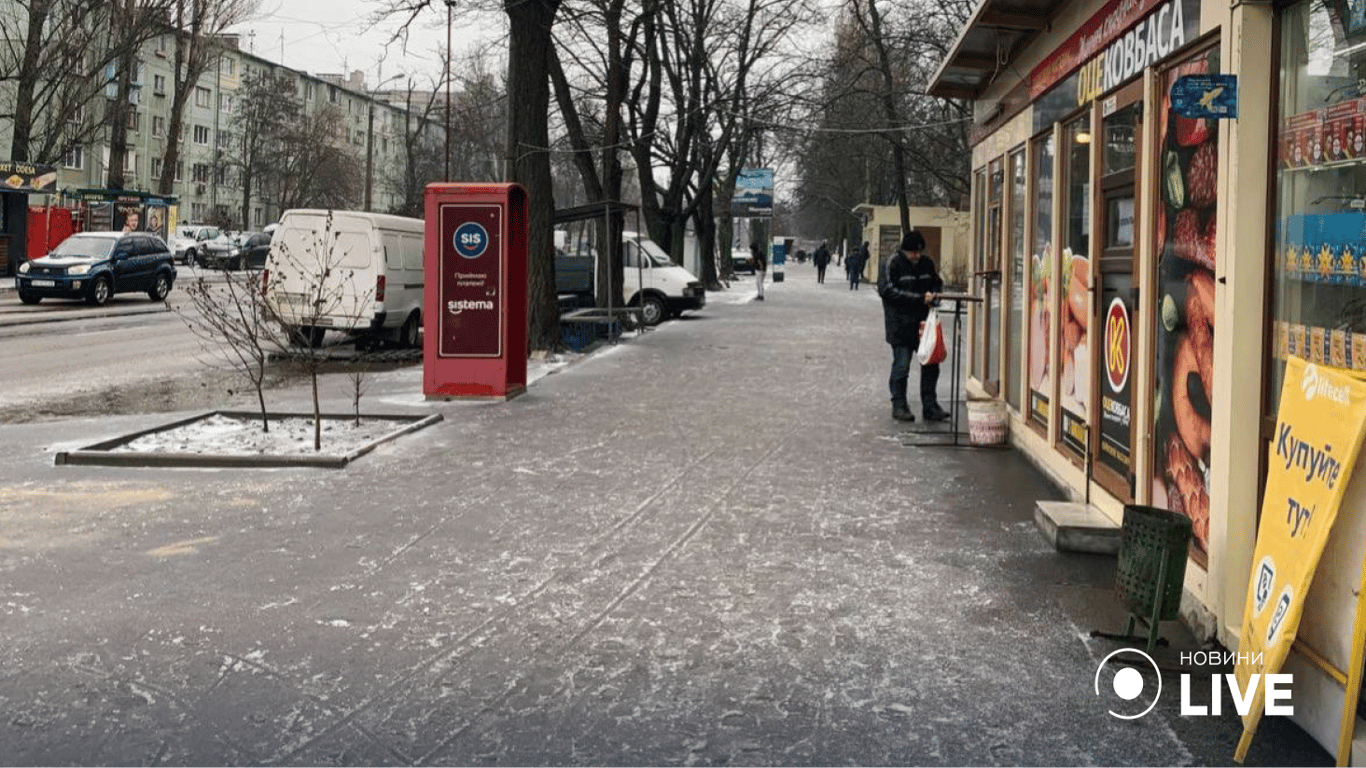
[653,311]
[100,291]
[408,335]
[160,288]
[29,298]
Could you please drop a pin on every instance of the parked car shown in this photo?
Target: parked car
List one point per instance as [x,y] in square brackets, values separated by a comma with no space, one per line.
[96,265]
[650,280]
[368,266]
[741,261]
[191,241]
[248,251]
[653,282]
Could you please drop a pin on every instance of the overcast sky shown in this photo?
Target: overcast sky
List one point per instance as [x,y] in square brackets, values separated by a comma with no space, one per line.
[338,36]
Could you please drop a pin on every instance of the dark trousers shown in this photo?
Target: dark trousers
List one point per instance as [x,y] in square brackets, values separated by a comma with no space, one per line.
[901,372]
[929,382]
[820,273]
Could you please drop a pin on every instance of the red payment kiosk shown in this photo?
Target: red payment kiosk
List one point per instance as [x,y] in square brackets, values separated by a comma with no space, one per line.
[474,300]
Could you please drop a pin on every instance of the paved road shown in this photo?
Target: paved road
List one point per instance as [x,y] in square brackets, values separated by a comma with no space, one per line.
[705,546]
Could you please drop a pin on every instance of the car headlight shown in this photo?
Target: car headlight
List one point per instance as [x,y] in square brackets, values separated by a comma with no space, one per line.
[79,269]
[23,268]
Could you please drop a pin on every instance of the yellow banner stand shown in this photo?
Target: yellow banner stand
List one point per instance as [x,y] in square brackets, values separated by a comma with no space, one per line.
[1313,451]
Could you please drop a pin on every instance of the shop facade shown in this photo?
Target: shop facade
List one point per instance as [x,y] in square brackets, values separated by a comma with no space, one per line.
[1125,209]
[1169,199]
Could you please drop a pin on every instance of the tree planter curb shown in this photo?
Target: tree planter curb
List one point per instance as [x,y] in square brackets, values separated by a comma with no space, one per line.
[105,453]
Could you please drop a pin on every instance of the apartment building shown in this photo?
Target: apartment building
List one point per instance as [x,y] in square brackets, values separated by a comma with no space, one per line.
[208,186]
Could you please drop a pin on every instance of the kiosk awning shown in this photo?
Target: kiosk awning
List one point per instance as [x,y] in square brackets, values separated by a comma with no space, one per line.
[995,34]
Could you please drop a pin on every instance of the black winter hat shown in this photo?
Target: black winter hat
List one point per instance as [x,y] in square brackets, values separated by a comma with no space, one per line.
[913,241]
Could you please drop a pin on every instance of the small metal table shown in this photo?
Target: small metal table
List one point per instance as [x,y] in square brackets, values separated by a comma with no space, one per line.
[949,439]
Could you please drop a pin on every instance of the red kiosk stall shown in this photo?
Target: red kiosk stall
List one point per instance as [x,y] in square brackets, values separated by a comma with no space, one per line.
[475,299]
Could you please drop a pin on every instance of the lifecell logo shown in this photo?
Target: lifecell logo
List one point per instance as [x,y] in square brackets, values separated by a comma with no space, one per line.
[1315,384]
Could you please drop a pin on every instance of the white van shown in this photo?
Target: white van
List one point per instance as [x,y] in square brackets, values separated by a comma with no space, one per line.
[361,273]
[653,281]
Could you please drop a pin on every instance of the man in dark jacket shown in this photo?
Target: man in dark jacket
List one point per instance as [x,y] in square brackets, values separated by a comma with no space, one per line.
[821,260]
[909,285]
[858,259]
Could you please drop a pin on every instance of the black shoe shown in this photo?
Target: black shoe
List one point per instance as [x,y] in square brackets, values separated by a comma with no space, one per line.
[758,298]
[936,414]
[903,414]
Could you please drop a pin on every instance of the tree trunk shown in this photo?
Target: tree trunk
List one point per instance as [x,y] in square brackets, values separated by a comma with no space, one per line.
[27,81]
[528,159]
[891,114]
[119,108]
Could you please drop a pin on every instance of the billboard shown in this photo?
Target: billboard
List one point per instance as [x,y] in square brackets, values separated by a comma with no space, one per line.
[753,194]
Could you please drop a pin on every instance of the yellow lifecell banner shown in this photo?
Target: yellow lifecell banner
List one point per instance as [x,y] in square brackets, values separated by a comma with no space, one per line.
[1318,435]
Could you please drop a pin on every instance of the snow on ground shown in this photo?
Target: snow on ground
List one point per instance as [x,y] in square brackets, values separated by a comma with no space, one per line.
[221,435]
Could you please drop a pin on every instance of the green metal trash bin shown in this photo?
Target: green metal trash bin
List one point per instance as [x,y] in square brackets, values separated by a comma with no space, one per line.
[1152,565]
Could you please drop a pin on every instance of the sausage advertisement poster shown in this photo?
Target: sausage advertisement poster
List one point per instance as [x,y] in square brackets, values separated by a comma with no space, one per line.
[1185,221]
[1313,451]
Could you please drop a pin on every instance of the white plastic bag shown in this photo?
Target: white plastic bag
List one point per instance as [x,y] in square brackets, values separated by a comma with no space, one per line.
[932,350]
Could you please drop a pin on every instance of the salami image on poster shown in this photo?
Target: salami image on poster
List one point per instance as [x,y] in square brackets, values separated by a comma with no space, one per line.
[472,276]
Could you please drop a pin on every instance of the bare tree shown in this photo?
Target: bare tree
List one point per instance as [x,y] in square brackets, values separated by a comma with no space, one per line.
[313,167]
[710,68]
[59,57]
[879,136]
[528,141]
[309,288]
[267,109]
[198,24]
[235,320]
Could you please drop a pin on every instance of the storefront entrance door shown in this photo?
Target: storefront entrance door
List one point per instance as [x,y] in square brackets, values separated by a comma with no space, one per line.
[1112,429]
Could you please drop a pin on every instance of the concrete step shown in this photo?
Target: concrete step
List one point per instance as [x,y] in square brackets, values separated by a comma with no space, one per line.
[1076,527]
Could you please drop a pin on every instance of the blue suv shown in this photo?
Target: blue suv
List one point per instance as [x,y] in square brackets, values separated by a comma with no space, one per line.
[96,265]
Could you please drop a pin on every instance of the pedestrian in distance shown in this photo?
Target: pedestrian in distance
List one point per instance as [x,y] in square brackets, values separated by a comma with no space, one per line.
[760,268]
[909,286]
[822,260]
[855,264]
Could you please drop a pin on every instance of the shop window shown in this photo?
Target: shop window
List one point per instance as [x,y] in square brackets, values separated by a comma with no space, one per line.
[1319,276]
[978,260]
[1074,388]
[1041,285]
[991,277]
[1015,294]
[1114,311]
